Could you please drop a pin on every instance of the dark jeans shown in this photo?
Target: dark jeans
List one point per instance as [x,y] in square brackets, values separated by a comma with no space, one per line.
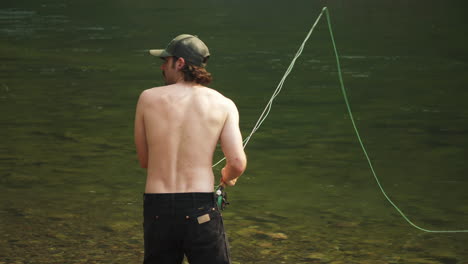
[184,223]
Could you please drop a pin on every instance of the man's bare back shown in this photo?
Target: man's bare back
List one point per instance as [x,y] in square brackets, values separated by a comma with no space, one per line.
[181,125]
[177,127]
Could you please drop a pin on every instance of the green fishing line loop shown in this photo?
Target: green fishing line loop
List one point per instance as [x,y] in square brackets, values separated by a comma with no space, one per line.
[343,91]
[267,110]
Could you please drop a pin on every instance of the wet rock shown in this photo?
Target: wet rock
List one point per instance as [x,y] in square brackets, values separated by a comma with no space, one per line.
[421,261]
[105,228]
[15,212]
[18,180]
[446,259]
[415,247]
[265,244]
[61,236]
[277,236]
[318,257]
[339,262]
[372,261]
[247,232]
[347,224]
[375,242]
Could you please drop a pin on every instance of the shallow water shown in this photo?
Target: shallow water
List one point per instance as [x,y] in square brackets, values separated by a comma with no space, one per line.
[71,72]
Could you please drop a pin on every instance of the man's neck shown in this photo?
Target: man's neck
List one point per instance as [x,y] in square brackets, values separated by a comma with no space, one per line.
[188,84]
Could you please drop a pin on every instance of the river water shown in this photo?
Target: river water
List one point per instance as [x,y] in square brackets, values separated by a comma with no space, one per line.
[71,73]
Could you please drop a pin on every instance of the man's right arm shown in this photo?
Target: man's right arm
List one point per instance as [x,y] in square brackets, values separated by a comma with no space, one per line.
[231,144]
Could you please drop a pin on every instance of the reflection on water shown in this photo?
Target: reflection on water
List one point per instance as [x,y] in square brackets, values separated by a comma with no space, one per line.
[70,187]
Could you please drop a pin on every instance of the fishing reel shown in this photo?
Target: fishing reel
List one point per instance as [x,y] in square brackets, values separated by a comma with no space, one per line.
[221,198]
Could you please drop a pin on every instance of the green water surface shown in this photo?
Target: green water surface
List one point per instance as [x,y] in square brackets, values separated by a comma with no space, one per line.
[71,73]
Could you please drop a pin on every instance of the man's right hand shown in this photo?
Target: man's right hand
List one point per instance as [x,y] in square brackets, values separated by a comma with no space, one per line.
[226,183]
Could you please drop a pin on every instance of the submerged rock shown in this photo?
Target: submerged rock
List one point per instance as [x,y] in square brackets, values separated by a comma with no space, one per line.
[265,244]
[421,261]
[277,236]
[347,224]
[339,262]
[318,257]
[121,226]
[446,259]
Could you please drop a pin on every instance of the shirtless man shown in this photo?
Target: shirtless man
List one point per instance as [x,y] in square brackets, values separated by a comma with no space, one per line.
[177,127]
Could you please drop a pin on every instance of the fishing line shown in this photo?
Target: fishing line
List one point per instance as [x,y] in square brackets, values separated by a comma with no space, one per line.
[362,144]
[267,110]
[278,89]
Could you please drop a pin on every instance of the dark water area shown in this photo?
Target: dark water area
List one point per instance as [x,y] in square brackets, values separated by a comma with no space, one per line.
[71,73]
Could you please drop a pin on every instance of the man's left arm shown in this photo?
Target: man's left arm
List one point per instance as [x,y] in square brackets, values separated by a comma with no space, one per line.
[140,133]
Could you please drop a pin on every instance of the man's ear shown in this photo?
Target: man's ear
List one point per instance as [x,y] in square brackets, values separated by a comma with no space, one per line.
[180,63]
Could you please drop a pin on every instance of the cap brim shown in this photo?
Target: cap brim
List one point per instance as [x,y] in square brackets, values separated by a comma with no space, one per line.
[160,53]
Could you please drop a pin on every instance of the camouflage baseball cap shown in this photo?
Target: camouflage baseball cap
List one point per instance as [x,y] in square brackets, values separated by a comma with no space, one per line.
[186,46]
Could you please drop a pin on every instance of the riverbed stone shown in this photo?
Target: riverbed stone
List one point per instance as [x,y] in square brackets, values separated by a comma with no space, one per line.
[317,256]
[277,236]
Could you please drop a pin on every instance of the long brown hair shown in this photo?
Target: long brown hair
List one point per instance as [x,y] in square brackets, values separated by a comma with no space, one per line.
[195,74]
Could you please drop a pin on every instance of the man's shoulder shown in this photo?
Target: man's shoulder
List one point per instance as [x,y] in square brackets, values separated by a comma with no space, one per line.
[212,93]
[154,92]
[217,95]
